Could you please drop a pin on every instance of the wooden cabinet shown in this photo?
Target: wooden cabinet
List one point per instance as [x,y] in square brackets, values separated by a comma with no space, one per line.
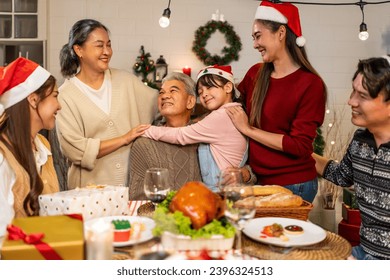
[19,19]
[23,30]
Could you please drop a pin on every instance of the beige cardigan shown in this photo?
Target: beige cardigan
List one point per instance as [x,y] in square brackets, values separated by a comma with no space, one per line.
[81,125]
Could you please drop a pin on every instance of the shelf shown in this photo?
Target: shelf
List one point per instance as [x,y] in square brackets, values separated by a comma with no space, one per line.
[32,49]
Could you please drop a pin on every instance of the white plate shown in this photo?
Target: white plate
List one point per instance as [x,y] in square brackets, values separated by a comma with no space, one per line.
[312,233]
[145,234]
[191,255]
[172,241]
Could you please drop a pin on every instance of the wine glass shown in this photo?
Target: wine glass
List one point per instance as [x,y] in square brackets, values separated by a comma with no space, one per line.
[240,203]
[156,184]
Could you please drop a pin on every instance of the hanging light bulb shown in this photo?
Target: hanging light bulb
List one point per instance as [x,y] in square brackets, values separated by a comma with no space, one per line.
[363,33]
[164,20]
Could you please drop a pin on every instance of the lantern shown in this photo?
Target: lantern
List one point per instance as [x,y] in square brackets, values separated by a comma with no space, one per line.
[161,69]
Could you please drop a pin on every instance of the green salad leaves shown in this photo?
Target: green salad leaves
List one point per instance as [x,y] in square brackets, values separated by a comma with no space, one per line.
[177,223]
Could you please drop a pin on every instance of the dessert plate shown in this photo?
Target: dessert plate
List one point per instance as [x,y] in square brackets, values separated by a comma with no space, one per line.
[312,233]
[145,233]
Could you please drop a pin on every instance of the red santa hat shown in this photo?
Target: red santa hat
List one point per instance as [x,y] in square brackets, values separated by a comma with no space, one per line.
[224,71]
[18,80]
[285,13]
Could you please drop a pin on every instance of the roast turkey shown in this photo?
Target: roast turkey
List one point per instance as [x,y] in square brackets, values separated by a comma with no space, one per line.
[198,203]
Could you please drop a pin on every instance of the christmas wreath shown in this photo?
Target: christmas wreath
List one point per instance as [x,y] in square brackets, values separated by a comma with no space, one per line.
[203,33]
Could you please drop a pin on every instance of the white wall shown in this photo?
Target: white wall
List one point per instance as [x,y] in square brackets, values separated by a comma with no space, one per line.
[331,32]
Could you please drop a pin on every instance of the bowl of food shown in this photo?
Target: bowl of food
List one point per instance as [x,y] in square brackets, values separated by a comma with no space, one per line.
[192,218]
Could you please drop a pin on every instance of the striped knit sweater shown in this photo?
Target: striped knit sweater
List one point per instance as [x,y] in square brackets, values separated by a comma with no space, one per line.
[181,161]
[367,168]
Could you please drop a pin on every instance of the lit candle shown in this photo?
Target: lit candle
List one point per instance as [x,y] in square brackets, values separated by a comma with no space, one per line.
[99,237]
[187,71]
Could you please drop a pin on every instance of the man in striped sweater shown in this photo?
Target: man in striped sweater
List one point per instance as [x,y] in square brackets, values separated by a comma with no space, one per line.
[366,164]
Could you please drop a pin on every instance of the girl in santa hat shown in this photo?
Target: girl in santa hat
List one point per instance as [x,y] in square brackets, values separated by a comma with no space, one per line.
[222,145]
[28,104]
[285,103]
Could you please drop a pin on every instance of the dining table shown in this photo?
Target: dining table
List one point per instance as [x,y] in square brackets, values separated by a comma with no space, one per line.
[333,247]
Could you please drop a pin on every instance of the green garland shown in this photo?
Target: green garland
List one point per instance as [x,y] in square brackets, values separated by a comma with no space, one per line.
[203,33]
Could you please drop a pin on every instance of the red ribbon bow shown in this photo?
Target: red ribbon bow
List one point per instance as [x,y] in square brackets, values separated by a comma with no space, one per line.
[16,233]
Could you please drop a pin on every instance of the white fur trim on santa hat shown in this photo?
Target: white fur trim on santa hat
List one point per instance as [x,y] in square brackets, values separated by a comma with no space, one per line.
[300,41]
[271,14]
[217,71]
[16,94]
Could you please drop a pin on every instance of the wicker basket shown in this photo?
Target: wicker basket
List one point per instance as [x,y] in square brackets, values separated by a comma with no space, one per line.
[300,213]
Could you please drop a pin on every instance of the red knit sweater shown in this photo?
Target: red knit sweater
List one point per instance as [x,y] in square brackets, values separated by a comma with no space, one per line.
[295,107]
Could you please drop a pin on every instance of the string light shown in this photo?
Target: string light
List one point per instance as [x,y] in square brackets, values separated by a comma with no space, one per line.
[363,33]
[164,19]
[330,125]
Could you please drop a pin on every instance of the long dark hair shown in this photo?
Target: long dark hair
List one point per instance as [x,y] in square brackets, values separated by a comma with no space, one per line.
[298,54]
[15,133]
[77,36]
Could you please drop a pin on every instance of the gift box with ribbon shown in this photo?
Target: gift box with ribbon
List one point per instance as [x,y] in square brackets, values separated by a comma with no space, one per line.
[91,202]
[45,238]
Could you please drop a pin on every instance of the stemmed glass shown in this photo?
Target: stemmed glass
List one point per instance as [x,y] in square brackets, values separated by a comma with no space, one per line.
[240,203]
[156,184]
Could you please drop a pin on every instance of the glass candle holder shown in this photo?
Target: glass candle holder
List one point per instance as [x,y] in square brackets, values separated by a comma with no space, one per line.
[99,238]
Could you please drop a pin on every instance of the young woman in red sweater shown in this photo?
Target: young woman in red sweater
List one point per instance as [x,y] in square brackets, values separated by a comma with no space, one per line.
[285,107]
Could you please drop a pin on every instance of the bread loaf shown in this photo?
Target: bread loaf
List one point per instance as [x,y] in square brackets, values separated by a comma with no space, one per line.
[259,190]
[274,200]
[269,189]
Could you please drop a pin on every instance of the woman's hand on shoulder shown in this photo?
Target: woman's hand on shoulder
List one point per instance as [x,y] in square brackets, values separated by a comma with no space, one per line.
[135,132]
[239,118]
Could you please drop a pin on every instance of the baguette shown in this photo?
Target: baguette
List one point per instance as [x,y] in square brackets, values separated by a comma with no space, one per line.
[275,200]
[260,190]
[269,189]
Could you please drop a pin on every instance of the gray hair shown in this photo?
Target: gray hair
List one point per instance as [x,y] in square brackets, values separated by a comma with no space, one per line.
[188,82]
